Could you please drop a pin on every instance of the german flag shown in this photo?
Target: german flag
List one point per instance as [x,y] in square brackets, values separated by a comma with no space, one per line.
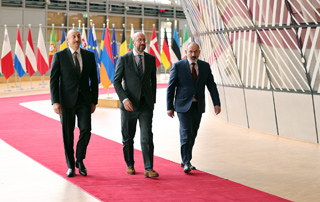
[165,55]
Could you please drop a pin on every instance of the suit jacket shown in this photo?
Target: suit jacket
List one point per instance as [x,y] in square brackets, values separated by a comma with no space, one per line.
[134,85]
[65,83]
[181,87]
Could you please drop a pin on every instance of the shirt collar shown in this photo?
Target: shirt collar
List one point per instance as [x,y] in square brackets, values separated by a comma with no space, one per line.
[135,53]
[72,51]
[190,61]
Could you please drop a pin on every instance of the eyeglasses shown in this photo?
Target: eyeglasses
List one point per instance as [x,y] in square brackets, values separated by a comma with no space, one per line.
[141,40]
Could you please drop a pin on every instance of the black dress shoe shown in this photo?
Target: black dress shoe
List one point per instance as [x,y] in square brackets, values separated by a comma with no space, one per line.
[82,168]
[191,166]
[70,172]
[187,168]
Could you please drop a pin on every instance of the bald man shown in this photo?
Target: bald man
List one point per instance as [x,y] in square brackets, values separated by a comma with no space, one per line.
[135,83]
[74,93]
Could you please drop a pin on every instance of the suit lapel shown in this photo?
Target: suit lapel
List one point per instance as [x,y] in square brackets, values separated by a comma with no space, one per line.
[83,59]
[131,60]
[199,71]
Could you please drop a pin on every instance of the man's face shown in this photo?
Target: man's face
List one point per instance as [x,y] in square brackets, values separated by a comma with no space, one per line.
[139,42]
[74,39]
[193,52]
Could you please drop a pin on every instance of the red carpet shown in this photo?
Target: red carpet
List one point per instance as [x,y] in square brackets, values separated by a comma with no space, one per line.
[39,137]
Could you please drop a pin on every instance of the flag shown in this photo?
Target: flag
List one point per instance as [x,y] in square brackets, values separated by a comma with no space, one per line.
[96,53]
[131,39]
[42,58]
[175,48]
[107,64]
[154,47]
[84,43]
[123,46]
[53,46]
[6,66]
[102,43]
[63,44]
[31,61]
[114,48]
[79,29]
[165,55]
[95,40]
[186,41]
[92,48]
[19,60]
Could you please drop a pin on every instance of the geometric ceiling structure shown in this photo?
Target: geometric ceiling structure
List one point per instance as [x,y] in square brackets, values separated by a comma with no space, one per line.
[265,44]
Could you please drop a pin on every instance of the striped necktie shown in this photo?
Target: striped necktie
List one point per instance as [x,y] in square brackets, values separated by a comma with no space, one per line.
[140,68]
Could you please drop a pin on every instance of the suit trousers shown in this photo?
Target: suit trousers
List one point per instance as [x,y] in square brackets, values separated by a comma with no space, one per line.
[83,113]
[189,125]
[128,129]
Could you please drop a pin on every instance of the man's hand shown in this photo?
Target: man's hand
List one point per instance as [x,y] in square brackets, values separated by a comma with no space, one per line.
[217,109]
[170,113]
[93,108]
[128,105]
[57,108]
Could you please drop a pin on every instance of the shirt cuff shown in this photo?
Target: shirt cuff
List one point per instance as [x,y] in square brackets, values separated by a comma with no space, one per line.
[125,100]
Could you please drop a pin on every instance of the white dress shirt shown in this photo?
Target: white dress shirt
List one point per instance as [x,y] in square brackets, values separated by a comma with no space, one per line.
[78,56]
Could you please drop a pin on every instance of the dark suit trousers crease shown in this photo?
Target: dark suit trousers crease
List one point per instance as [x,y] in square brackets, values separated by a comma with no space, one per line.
[189,125]
[68,117]
[128,128]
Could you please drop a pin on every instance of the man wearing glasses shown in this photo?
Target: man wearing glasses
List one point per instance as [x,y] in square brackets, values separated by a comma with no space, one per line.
[137,94]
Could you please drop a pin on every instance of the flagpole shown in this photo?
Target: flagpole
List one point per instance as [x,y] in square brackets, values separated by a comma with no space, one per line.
[15,78]
[8,89]
[30,84]
[20,85]
[72,25]
[104,42]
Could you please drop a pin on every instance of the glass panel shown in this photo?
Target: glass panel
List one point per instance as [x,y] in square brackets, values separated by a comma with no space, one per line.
[136,24]
[98,20]
[75,17]
[56,18]
[283,60]
[117,21]
[311,50]
[305,11]
[148,24]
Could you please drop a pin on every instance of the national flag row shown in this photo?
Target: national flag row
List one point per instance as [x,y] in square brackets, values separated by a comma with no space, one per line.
[106,58]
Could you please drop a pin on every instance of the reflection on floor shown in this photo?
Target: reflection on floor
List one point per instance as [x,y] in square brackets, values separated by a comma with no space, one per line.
[280,166]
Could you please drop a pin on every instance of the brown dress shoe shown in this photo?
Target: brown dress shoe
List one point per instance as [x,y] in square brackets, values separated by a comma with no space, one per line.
[151,173]
[131,170]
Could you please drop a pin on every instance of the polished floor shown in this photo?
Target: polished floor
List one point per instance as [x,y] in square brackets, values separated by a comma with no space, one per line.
[280,166]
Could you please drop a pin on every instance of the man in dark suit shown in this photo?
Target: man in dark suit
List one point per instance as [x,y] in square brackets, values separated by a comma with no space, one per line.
[137,93]
[185,95]
[74,92]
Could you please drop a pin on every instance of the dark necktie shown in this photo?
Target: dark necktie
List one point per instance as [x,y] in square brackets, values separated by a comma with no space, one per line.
[77,62]
[140,68]
[194,72]
[194,76]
